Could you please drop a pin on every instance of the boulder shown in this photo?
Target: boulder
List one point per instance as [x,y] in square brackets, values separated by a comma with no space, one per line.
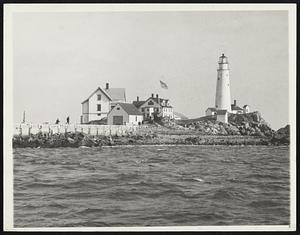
[281,136]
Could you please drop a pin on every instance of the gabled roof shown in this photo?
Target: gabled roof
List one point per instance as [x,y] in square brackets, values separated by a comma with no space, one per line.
[116,94]
[130,109]
[221,111]
[103,91]
[158,101]
[212,109]
[234,107]
[138,103]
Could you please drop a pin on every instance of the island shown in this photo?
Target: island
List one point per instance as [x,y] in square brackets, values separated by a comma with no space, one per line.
[241,129]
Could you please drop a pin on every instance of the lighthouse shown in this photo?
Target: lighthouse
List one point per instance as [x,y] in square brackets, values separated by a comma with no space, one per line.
[223,99]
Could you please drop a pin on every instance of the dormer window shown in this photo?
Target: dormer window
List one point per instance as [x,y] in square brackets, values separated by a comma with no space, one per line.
[150,102]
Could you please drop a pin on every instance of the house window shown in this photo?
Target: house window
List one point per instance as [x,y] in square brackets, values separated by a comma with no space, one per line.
[118,108]
[98,107]
[98,97]
[143,110]
[147,110]
[136,118]
[99,114]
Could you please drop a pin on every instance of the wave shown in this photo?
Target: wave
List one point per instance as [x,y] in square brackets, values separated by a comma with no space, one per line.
[229,194]
[142,186]
[264,204]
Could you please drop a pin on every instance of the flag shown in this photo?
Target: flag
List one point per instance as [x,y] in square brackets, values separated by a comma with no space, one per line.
[163,85]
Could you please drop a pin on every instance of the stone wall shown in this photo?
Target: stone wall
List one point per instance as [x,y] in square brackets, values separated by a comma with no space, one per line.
[106,130]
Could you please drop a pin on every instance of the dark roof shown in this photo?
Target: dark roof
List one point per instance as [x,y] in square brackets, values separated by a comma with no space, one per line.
[212,109]
[221,111]
[159,101]
[138,103]
[234,107]
[130,109]
[245,105]
[116,93]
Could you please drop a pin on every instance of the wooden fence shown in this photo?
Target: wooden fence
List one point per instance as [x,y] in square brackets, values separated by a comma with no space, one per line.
[120,130]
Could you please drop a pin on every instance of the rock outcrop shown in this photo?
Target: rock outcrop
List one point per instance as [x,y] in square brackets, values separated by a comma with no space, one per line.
[58,140]
[281,136]
[250,124]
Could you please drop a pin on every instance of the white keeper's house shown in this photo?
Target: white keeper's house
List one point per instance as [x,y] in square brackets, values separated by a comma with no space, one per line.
[234,109]
[154,106]
[100,102]
[123,114]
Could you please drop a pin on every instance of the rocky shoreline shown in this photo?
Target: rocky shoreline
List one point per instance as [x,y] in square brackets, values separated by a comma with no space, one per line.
[242,129]
[79,139]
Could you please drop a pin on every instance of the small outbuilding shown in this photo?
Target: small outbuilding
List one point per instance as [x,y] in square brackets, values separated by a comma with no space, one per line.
[210,111]
[222,115]
[124,113]
[246,108]
[236,109]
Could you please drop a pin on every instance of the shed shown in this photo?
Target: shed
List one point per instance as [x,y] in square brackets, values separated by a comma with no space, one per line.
[210,111]
[246,108]
[124,113]
[222,115]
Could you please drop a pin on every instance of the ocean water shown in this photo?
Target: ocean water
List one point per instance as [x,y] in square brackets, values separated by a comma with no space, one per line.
[151,186]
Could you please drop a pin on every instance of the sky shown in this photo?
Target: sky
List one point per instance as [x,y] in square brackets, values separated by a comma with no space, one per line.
[60,58]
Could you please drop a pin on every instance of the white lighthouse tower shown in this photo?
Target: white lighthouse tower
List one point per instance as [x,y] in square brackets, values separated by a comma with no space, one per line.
[223,99]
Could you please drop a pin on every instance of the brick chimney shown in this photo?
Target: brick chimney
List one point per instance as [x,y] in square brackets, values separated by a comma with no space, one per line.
[157,96]
[137,98]
[152,95]
[234,102]
[107,86]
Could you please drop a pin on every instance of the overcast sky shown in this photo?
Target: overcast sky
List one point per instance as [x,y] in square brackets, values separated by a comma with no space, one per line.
[61,58]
